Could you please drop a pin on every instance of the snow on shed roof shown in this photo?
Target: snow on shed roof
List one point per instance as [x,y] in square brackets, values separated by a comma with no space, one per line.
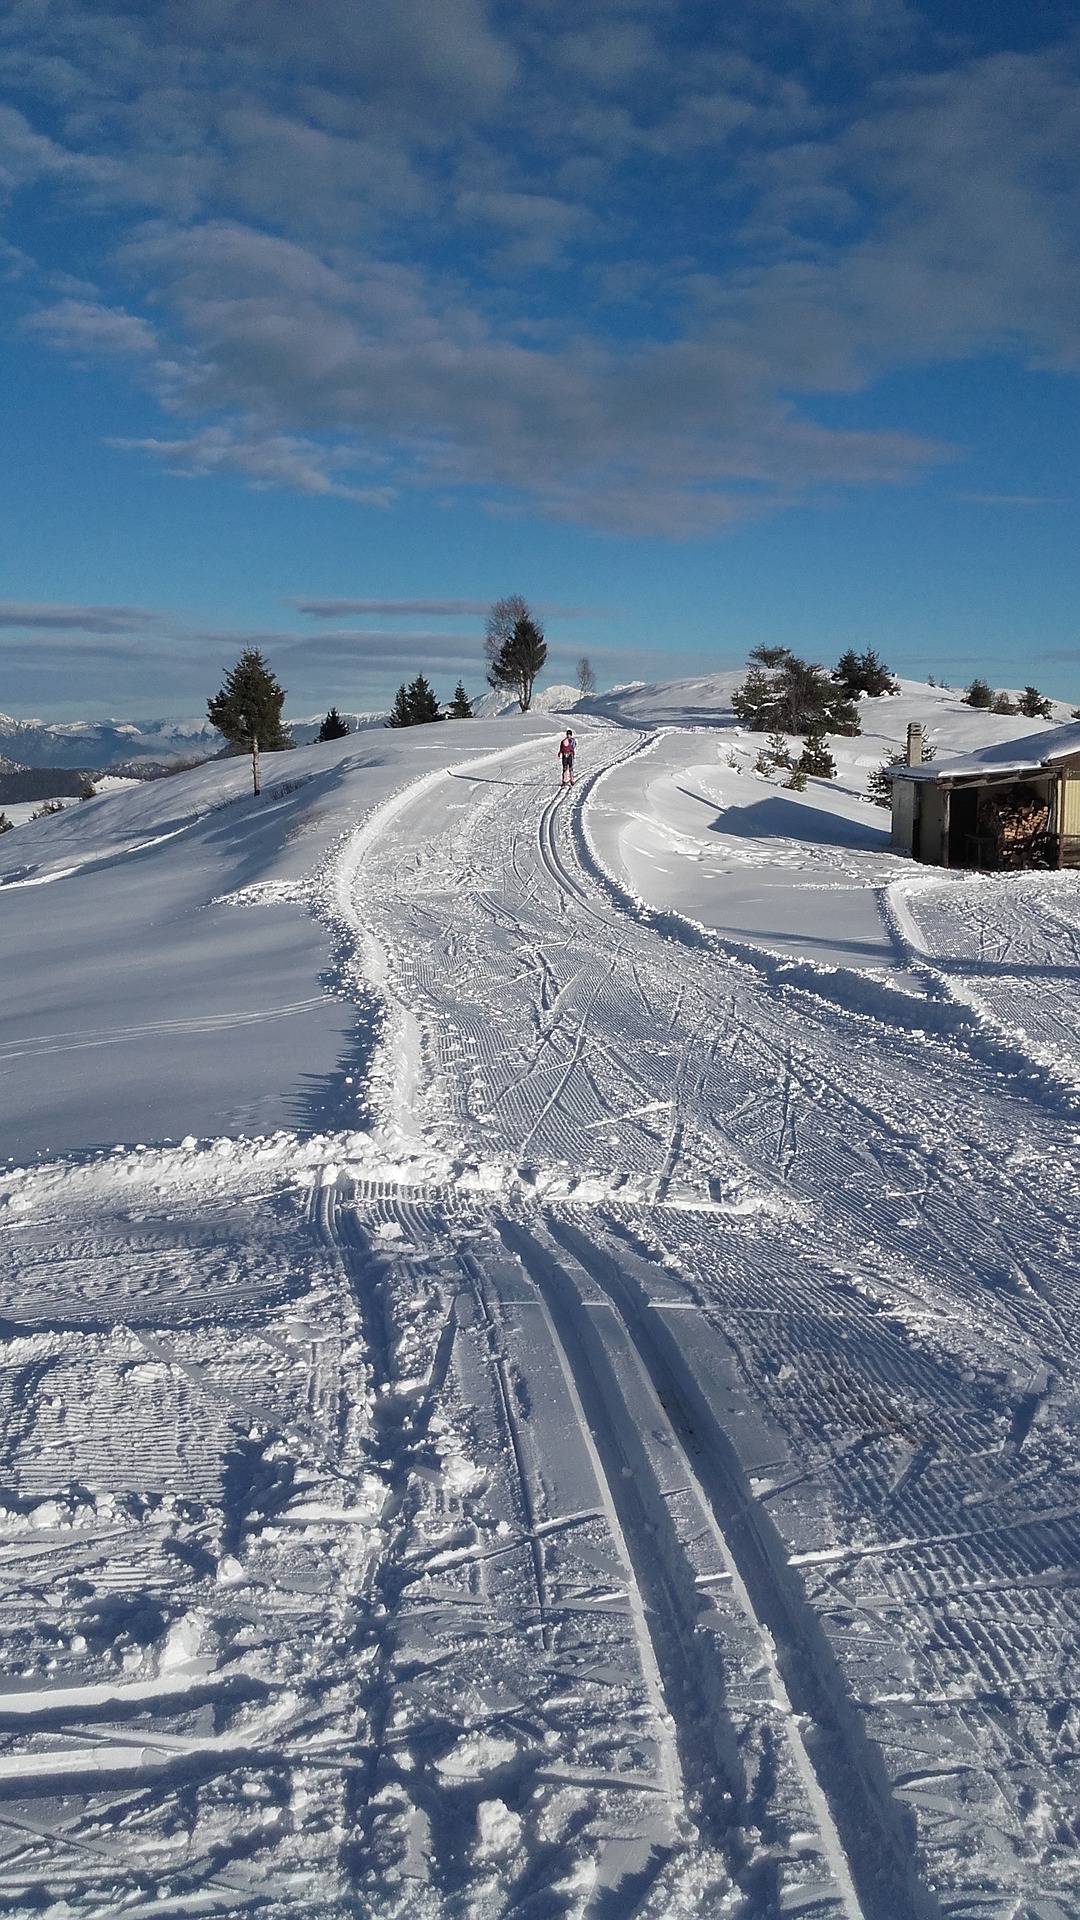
[1035,750]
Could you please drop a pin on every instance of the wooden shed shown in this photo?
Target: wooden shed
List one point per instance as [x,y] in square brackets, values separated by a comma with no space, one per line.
[1012,805]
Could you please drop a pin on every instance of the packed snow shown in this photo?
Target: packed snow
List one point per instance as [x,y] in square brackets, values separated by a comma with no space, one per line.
[537,1338]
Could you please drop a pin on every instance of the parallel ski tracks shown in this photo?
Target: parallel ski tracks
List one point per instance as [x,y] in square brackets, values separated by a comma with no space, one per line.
[613,1337]
[886,1151]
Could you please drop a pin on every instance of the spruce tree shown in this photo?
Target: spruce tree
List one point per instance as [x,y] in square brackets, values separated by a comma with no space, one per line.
[399,715]
[423,706]
[247,710]
[333,727]
[784,694]
[515,648]
[979,694]
[879,786]
[864,673]
[1034,705]
[460,707]
[414,705]
[816,759]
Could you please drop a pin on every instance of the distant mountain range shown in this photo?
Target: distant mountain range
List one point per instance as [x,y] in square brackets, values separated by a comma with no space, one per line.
[103,743]
[145,746]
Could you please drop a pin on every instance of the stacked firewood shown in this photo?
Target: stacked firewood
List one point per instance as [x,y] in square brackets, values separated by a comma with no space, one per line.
[1016,822]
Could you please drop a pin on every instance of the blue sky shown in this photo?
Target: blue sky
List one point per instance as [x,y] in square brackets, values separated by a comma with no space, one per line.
[326,325]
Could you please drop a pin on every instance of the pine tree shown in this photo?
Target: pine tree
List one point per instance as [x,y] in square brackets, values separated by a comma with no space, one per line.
[816,759]
[247,710]
[1034,705]
[333,727]
[6,825]
[423,705]
[460,707]
[400,715]
[784,694]
[515,648]
[753,702]
[414,705]
[864,673]
[979,694]
[879,786]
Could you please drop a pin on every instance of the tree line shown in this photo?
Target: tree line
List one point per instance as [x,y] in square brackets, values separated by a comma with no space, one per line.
[1032,704]
[247,708]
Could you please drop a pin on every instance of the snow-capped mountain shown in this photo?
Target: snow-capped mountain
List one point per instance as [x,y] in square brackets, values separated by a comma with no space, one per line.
[103,743]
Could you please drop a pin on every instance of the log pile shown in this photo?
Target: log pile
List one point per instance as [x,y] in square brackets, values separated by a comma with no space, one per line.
[1014,827]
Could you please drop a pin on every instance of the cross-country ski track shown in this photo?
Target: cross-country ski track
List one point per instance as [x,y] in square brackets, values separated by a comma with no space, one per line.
[631,1471]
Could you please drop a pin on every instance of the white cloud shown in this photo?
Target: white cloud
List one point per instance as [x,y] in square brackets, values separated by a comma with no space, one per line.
[85,326]
[383,240]
[265,460]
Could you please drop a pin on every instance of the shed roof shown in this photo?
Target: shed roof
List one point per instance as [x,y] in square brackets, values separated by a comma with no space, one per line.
[1033,753]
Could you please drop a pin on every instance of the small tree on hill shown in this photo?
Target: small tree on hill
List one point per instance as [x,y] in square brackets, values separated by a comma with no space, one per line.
[815,759]
[773,756]
[460,707]
[333,727]
[414,705]
[247,710]
[586,678]
[1034,705]
[399,715]
[754,701]
[979,694]
[879,786]
[1002,703]
[864,673]
[515,648]
[6,825]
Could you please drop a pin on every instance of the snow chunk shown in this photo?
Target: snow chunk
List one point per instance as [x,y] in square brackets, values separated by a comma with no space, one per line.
[475,1755]
[498,1830]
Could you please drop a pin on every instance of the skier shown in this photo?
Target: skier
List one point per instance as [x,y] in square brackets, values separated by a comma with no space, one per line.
[567,750]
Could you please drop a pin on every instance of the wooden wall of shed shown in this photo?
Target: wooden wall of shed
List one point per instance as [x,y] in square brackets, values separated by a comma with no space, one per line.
[932,825]
[1069,823]
[904,799]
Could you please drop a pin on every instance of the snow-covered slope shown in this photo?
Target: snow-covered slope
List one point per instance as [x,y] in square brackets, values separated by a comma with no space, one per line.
[580,1415]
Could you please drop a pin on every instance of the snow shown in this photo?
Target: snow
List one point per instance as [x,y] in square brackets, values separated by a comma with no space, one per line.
[538,1369]
[1043,749]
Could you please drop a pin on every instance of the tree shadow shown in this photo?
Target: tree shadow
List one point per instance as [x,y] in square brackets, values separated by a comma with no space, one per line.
[781,819]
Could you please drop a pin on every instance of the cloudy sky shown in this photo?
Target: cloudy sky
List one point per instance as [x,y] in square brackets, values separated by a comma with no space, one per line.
[325,324]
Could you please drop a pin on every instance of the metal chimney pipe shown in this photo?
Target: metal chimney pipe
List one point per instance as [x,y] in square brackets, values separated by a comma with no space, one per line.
[914,744]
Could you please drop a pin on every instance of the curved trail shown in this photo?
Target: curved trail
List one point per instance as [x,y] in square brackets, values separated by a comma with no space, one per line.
[767,1234]
[631,1476]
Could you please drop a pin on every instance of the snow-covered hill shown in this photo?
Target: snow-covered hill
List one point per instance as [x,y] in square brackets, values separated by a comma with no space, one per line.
[537,1339]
